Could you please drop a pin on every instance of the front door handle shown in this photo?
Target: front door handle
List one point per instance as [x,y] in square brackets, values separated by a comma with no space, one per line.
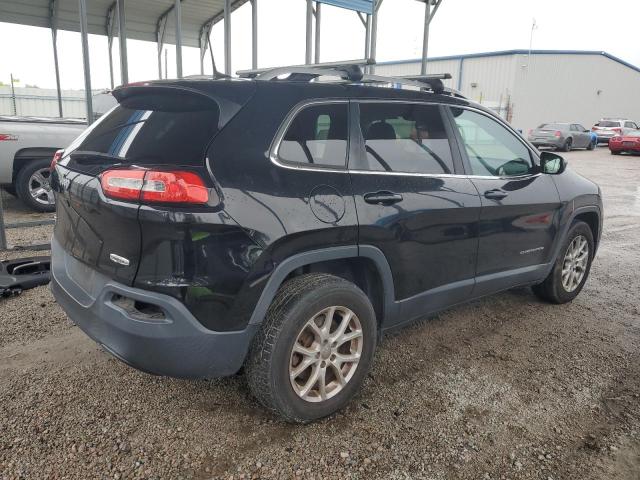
[495,194]
[383,198]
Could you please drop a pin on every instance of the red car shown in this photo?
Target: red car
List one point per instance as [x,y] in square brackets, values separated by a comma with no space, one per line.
[630,142]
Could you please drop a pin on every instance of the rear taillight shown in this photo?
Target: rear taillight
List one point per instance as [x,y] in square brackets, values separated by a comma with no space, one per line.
[616,139]
[558,133]
[56,158]
[154,186]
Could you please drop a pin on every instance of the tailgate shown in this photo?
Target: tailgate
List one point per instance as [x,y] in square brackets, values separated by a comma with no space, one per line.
[154,127]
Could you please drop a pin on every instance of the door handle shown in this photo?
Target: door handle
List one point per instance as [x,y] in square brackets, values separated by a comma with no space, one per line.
[495,194]
[383,198]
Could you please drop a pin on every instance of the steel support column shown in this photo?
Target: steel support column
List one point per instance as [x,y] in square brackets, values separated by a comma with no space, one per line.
[122,37]
[309,33]
[318,22]
[177,9]
[254,33]
[84,36]
[110,22]
[374,33]
[161,28]
[425,37]
[227,37]
[54,39]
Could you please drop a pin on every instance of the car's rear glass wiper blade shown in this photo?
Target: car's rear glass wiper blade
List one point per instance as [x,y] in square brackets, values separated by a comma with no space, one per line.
[97,158]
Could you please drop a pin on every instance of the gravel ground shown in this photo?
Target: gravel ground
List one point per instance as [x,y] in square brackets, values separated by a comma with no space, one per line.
[503,388]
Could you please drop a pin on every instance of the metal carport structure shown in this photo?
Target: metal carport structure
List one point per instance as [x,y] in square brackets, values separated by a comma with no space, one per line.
[193,21]
[149,20]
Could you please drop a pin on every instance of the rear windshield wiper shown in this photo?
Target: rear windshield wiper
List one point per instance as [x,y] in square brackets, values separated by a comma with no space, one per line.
[97,158]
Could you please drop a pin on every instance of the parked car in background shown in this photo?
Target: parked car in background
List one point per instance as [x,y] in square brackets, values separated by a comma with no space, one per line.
[562,136]
[607,128]
[284,225]
[629,143]
[27,145]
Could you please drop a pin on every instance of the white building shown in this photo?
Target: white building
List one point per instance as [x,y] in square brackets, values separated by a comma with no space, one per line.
[564,86]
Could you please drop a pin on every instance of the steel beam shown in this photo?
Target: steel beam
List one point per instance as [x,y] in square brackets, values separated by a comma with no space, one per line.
[227,37]
[254,34]
[122,37]
[309,33]
[318,21]
[53,23]
[84,36]
[367,39]
[177,10]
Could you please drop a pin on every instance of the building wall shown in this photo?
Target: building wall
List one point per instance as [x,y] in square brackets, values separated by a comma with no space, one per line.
[574,88]
[41,102]
[528,91]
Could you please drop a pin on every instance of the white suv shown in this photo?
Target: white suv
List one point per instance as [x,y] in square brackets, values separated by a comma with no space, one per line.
[607,128]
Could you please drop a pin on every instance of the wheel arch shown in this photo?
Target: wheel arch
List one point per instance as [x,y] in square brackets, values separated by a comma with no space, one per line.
[365,266]
[25,155]
[589,213]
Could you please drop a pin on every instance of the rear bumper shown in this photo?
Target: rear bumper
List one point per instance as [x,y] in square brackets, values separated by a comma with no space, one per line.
[548,142]
[176,345]
[620,147]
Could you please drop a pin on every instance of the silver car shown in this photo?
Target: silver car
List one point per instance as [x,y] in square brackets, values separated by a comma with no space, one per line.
[562,136]
[607,128]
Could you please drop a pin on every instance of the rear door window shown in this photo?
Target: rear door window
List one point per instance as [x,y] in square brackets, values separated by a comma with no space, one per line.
[317,136]
[403,137]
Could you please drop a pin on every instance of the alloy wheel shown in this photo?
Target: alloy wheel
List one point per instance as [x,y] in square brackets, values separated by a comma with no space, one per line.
[575,263]
[326,354]
[40,187]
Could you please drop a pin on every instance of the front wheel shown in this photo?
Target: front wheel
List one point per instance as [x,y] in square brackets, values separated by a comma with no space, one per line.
[571,270]
[314,348]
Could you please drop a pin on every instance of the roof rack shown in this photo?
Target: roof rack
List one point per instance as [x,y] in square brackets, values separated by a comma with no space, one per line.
[350,71]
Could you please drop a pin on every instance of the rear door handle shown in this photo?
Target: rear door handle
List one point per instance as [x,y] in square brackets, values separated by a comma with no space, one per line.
[495,194]
[383,198]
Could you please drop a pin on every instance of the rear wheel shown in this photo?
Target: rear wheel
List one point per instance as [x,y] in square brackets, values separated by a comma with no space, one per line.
[615,152]
[572,267]
[33,187]
[567,145]
[592,145]
[314,349]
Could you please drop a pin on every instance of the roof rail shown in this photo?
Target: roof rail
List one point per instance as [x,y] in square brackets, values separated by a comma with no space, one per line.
[349,70]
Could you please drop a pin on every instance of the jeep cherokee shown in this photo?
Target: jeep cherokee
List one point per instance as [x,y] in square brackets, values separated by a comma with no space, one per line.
[281,225]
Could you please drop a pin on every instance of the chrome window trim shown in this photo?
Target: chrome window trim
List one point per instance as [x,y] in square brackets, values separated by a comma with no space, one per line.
[277,140]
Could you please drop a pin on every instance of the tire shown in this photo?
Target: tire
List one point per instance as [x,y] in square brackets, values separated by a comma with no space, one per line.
[25,180]
[271,357]
[592,145]
[567,145]
[615,152]
[552,289]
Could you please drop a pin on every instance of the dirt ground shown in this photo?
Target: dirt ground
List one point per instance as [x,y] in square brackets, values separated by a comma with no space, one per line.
[503,388]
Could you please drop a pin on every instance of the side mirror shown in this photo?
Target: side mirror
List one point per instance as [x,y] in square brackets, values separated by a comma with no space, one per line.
[552,164]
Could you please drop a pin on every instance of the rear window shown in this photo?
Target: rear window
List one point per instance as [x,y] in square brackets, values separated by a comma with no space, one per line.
[607,123]
[173,129]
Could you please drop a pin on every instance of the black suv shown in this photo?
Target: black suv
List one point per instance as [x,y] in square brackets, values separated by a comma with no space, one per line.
[283,225]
